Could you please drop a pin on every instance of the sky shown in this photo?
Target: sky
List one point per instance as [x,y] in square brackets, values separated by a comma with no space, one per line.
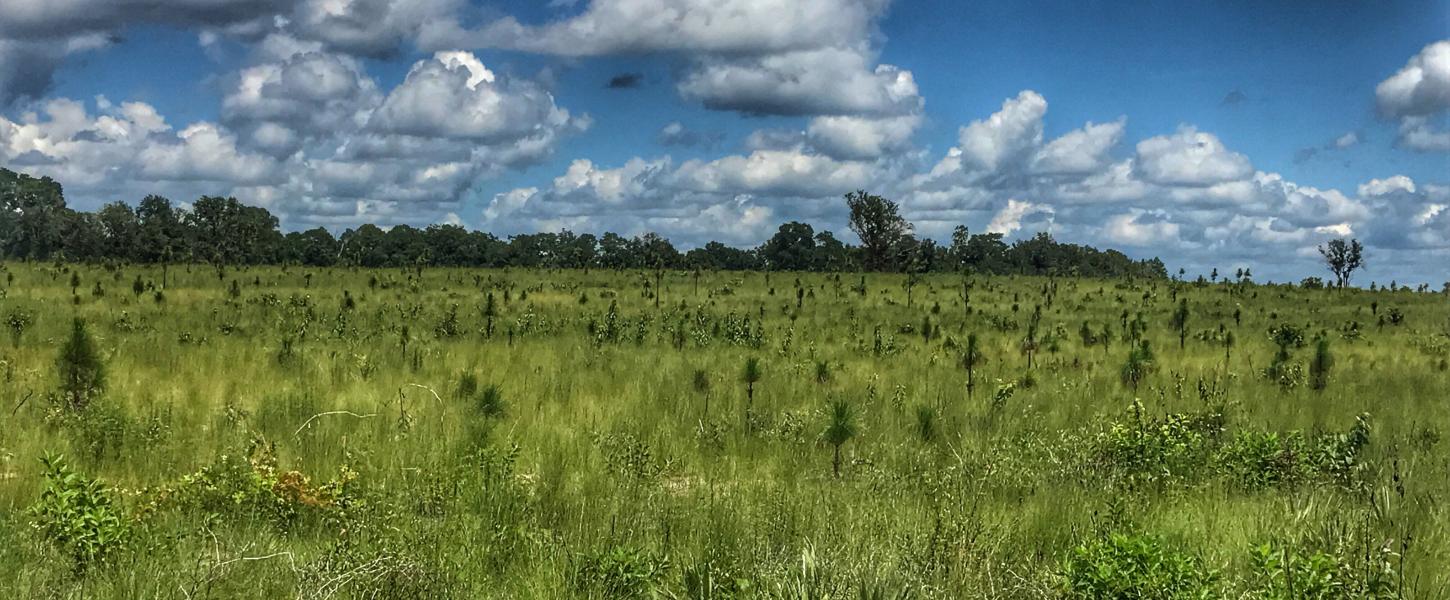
[1219,135]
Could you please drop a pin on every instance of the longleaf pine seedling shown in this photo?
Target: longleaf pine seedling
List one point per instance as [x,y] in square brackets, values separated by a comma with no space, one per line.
[970,358]
[1319,368]
[750,375]
[82,374]
[840,428]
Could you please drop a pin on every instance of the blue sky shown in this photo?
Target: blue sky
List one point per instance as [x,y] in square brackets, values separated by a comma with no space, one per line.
[1228,134]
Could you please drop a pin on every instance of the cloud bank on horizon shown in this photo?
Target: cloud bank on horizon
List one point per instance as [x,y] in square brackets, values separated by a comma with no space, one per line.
[306,124]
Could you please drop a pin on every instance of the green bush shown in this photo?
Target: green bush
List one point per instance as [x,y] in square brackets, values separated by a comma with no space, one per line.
[1189,448]
[78,516]
[622,572]
[1129,567]
[1280,571]
[1169,449]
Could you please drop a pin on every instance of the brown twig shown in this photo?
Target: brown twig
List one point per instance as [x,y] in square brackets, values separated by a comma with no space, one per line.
[331,412]
[22,402]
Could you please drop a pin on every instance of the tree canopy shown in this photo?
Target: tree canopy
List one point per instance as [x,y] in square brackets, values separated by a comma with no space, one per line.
[1343,257]
[36,224]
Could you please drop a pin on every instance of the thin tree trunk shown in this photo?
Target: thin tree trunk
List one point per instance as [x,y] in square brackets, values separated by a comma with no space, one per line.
[971,383]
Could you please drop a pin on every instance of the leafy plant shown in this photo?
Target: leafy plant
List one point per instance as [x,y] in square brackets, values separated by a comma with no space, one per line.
[79,516]
[17,321]
[622,572]
[1282,571]
[1134,566]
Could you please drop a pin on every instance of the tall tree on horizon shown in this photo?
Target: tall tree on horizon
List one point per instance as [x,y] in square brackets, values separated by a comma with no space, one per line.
[1343,257]
[879,224]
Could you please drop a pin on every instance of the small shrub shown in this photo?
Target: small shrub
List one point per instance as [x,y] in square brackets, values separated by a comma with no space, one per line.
[17,322]
[1132,567]
[79,516]
[1283,571]
[622,572]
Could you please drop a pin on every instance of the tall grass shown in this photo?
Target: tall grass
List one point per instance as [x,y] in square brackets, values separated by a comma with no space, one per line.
[487,434]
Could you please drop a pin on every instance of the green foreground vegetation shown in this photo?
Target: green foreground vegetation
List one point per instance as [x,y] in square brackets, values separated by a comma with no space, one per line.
[426,433]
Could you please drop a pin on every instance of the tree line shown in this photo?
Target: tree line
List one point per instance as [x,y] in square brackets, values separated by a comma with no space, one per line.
[36,224]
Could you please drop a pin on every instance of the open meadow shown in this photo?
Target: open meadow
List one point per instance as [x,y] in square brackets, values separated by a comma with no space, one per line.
[513,433]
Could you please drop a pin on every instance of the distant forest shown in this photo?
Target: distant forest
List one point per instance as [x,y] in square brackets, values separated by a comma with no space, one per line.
[36,224]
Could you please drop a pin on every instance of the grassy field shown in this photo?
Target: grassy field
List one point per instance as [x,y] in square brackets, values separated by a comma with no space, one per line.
[377,434]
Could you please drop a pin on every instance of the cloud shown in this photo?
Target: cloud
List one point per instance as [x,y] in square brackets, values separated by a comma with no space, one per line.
[1141,228]
[808,57]
[1345,141]
[1417,93]
[1305,206]
[127,145]
[1417,133]
[625,81]
[1408,216]
[775,172]
[1006,148]
[1190,157]
[454,96]
[827,81]
[641,195]
[861,138]
[1009,135]
[311,137]
[726,27]
[374,28]
[27,66]
[997,147]
[1421,87]
[46,19]
[1012,216]
[1183,195]
[304,130]
[1387,186]
[1172,195]
[675,133]
[301,97]
[1086,150]
[736,198]
[203,152]
[36,36]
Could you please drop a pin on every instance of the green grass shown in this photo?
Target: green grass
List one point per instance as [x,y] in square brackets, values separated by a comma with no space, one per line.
[578,460]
